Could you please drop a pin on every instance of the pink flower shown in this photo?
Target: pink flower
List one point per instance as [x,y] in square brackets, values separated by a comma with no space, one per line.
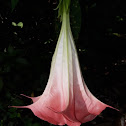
[66,98]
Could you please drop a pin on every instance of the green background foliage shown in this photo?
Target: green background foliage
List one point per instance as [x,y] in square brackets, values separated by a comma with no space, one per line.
[13,4]
[28,34]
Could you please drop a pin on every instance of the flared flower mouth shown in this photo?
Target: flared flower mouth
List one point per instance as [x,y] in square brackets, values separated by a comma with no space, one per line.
[66,98]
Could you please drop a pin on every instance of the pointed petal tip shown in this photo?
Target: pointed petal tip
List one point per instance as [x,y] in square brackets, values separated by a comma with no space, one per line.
[112,108]
[18,106]
[25,96]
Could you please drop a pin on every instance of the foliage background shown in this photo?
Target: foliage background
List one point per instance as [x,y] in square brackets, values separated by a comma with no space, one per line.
[25,54]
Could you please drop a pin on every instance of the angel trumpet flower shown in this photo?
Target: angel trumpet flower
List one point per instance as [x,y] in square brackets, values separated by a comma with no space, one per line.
[66,98]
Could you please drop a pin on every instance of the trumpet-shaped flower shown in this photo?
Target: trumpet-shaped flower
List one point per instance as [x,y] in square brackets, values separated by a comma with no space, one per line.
[66,98]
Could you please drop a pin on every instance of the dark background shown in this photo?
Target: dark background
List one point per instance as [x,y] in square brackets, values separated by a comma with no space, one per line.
[99,30]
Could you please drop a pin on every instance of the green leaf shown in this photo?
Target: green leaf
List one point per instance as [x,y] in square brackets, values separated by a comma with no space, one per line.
[75,14]
[116,34]
[13,4]
[20,24]
[14,24]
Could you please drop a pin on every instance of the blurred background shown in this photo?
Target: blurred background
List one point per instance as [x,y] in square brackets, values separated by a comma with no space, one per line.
[28,35]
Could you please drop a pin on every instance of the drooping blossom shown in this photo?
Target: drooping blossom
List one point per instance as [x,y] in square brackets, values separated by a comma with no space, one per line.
[66,98]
